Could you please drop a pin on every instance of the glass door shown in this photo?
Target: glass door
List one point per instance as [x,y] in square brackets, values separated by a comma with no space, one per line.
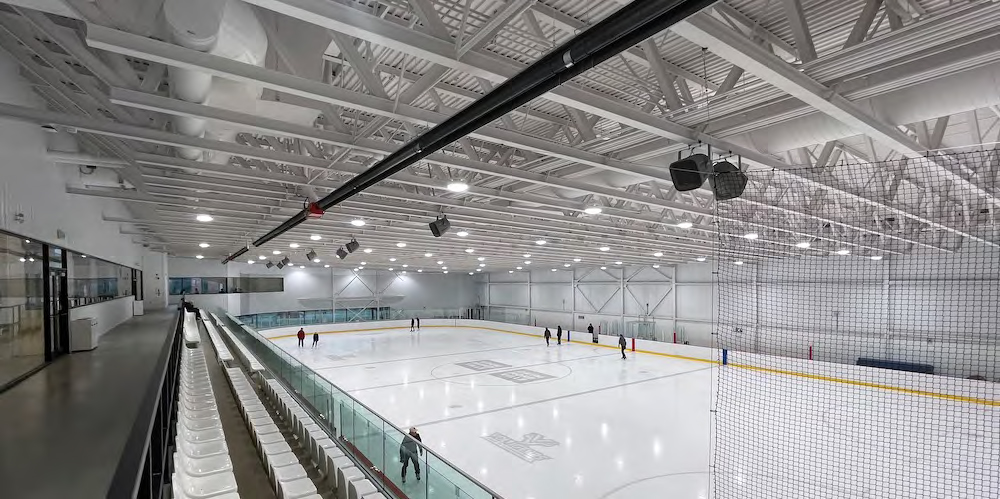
[58,312]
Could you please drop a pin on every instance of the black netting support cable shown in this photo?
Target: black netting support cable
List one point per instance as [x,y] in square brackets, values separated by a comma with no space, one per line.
[620,31]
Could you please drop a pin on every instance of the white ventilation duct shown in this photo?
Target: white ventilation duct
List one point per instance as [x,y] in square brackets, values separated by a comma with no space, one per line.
[957,93]
[226,28]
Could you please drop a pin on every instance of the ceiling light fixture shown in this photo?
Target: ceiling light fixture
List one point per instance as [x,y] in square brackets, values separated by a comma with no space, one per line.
[576,260]
[204,217]
[685,225]
[604,268]
[406,265]
[482,264]
[262,257]
[541,242]
[276,252]
[470,250]
[428,255]
[315,260]
[326,266]
[357,222]
[803,245]
[618,263]
[519,268]
[400,245]
[368,250]
[738,262]
[592,210]
[751,235]
[315,237]
[392,259]
[876,257]
[658,254]
[701,259]
[566,265]
[481,259]
[656,265]
[251,262]
[461,233]
[199,257]
[458,186]
[527,262]
[440,262]
[293,245]
[604,248]
[843,252]
[203,245]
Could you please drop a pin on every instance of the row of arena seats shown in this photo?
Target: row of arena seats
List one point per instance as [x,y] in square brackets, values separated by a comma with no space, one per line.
[202,466]
[288,477]
[192,337]
[221,350]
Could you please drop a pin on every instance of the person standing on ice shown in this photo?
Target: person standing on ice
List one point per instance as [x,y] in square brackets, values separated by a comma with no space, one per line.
[408,452]
[548,335]
[301,335]
[315,339]
[590,329]
[418,323]
[622,343]
[412,324]
[558,335]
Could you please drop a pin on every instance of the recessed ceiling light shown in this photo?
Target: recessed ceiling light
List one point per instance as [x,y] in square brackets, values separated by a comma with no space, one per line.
[355,269]
[461,233]
[876,257]
[685,225]
[658,254]
[604,268]
[315,260]
[656,265]
[445,272]
[803,245]
[404,271]
[262,257]
[315,237]
[618,263]
[510,271]
[565,265]
[357,222]
[251,262]
[392,259]
[203,245]
[540,242]
[293,245]
[482,264]
[527,255]
[470,250]
[428,255]
[27,241]
[576,260]
[444,268]
[440,262]
[458,186]
[406,265]
[364,263]
[420,270]
[604,248]
[844,252]
[199,257]
[368,250]
[83,256]
[751,235]
[23,259]
[275,252]
[204,217]
[553,270]
[481,259]
[592,210]
[326,266]
[738,262]
[400,245]
[701,259]
[527,262]
[519,268]
[390,269]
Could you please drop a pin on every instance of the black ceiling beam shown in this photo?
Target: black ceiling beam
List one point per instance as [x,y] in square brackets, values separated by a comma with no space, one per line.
[625,28]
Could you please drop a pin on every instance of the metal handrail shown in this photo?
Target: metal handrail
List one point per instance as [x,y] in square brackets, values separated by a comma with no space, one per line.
[261,339]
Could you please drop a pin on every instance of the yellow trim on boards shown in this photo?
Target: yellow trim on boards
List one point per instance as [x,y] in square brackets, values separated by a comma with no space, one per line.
[866,384]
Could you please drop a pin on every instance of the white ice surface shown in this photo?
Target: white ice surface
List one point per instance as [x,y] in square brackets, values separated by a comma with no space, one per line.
[641,428]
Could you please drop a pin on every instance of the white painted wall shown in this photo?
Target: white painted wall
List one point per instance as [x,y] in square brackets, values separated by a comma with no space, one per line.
[107,314]
[926,308]
[325,288]
[35,187]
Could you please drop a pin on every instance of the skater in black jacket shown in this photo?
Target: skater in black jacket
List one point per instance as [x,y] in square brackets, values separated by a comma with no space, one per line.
[622,343]
[548,335]
[559,335]
[408,452]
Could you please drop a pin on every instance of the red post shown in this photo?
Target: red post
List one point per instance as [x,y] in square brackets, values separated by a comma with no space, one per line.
[810,352]
[633,344]
[675,336]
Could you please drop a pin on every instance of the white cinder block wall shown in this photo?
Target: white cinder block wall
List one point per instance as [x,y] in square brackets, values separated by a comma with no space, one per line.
[926,308]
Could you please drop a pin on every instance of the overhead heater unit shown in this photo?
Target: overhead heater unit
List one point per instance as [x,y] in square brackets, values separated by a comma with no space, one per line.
[439,226]
[341,253]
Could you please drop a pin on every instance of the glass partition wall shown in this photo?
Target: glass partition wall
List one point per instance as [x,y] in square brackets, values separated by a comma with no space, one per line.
[39,284]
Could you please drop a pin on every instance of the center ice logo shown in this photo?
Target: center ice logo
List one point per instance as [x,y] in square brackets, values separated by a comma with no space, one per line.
[523,448]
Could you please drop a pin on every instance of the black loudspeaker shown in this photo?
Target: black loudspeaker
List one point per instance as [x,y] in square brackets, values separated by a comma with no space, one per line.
[690,173]
[341,253]
[269,264]
[281,265]
[285,261]
[311,255]
[728,182]
[439,226]
[352,246]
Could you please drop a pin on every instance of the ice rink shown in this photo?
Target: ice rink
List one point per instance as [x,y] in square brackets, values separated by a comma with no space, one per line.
[597,426]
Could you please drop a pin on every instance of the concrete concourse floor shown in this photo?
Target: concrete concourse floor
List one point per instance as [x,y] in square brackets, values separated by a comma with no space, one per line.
[63,429]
